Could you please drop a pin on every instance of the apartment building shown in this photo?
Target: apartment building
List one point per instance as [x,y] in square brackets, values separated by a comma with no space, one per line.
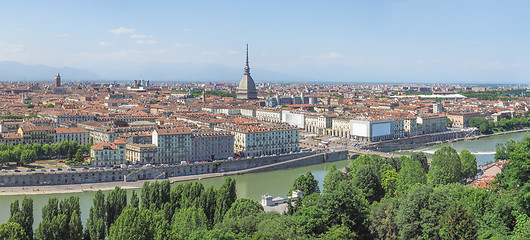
[37,134]
[431,123]
[174,144]
[212,145]
[108,153]
[141,153]
[80,135]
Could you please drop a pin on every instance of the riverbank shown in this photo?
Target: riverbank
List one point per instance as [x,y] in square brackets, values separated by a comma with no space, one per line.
[105,186]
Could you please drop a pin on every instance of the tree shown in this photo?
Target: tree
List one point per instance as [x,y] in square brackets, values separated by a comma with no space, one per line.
[383,219]
[12,231]
[389,182]
[244,207]
[28,156]
[96,222]
[367,180]
[411,175]
[408,219]
[445,167]
[458,223]
[522,227]
[29,105]
[448,122]
[116,202]
[189,220]
[517,172]
[332,178]
[274,226]
[135,202]
[306,183]
[338,232]
[79,158]
[75,226]
[23,216]
[469,164]
[226,196]
[421,158]
[131,224]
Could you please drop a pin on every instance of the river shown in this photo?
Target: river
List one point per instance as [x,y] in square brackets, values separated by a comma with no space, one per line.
[274,183]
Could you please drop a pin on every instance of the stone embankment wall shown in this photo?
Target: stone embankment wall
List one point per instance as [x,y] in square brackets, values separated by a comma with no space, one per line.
[143,173]
[304,161]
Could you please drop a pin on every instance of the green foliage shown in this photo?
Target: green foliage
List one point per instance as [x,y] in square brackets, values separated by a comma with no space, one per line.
[408,219]
[28,156]
[243,207]
[136,224]
[332,178]
[458,223]
[445,167]
[422,159]
[305,183]
[49,106]
[23,216]
[58,220]
[367,180]
[29,105]
[96,222]
[29,153]
[189,220]
[383,219]
[469,164]
[411,175]
[12,231]
[338,232]
[389,180]
[226,196]
[116,202]
[522,227]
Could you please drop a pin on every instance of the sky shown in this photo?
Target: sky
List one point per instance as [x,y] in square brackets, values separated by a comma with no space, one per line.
[475,41]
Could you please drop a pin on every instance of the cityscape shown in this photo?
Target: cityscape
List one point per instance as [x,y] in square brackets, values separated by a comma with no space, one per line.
[136,146]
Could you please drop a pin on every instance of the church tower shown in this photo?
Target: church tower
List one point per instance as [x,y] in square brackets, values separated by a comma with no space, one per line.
[58,80]
[247,87]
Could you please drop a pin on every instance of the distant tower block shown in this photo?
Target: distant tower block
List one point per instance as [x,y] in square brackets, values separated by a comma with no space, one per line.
[58,80]
[247,87]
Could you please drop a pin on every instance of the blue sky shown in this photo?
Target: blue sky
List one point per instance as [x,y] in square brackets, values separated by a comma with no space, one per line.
[345,41]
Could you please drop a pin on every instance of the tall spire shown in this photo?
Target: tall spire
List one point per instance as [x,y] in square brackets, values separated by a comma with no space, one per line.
[247,67]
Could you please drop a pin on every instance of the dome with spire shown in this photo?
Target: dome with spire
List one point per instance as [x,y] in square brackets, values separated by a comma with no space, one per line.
[247,87]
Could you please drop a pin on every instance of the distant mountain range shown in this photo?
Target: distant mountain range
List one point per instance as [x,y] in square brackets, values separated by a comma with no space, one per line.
[15,71]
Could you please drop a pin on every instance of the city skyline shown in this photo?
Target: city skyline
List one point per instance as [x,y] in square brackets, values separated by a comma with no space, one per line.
[406,41]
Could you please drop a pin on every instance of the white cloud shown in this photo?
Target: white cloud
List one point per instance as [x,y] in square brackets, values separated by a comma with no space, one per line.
[104,43]
[63,35]
[122,30]
[150,41]
[209,53]
[185,30]
[182,45]
[232,52]
[331,55]
[141,36]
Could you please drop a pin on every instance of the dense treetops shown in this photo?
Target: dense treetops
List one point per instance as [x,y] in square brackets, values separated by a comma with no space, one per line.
[374,198]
